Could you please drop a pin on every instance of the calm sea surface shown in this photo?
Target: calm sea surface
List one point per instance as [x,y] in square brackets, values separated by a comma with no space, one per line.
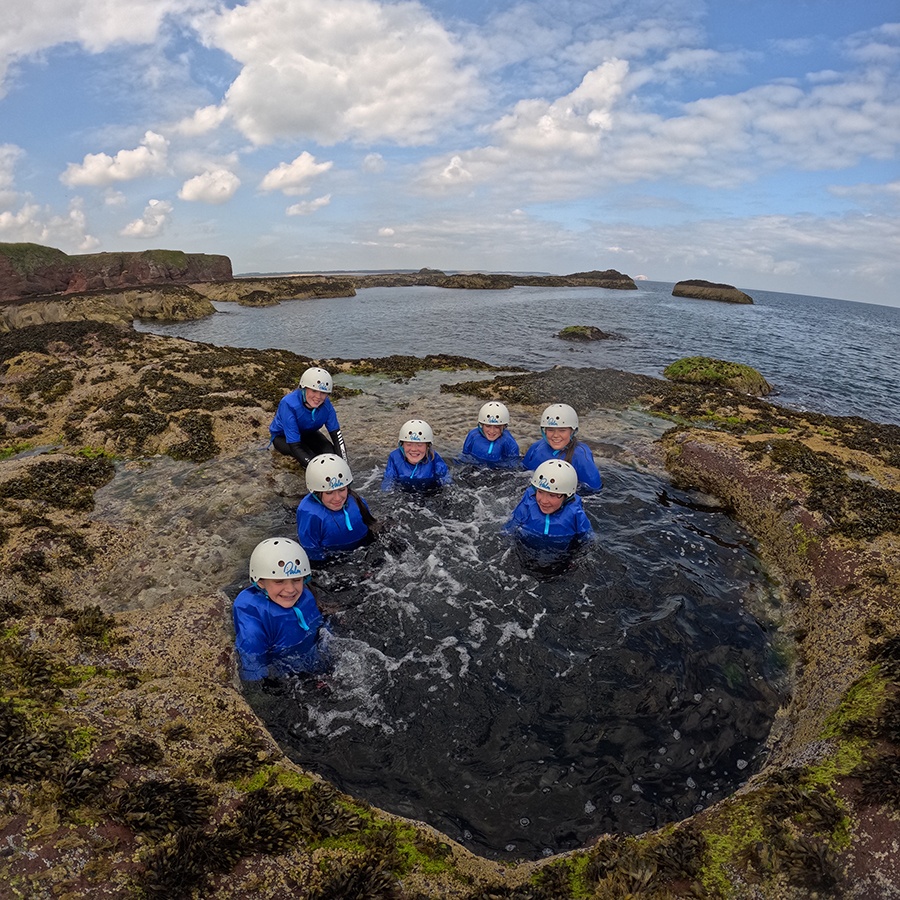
[820,354]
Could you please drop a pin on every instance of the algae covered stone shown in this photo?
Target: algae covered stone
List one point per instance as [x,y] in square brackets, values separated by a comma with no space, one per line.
[581,333]
[705,370]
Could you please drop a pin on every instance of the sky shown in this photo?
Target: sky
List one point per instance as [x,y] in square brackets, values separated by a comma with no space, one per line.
[750,142]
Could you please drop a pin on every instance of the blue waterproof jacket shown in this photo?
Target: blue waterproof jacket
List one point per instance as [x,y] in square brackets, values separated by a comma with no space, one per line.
[431,472]
[560,530]
[582,459]
[293,418]
[322,531]
[272,640]
[477,449]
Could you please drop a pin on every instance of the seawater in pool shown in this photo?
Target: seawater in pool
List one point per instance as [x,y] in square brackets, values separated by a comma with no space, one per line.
[523,713]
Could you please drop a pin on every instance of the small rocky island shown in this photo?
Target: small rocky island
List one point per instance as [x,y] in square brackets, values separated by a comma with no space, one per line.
[709,290]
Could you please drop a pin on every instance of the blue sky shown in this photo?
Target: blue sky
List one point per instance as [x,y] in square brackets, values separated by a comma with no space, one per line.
[751,142]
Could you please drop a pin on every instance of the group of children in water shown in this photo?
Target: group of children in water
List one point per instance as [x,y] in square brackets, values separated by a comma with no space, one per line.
[277,622]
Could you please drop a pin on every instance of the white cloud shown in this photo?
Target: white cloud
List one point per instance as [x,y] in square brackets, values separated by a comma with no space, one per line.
[212,186]
[605,132]
[308,207]
[154,220]
[202,121]
[29,28]
[100,169]
[37,224]
[385,232]
[571,125]
[374,163]
[10,155]
[361,71]
[293,178]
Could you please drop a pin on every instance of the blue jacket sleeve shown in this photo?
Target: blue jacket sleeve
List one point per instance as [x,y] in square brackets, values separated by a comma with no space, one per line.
[441,472]
[310,532]
[251,642]
[390,473]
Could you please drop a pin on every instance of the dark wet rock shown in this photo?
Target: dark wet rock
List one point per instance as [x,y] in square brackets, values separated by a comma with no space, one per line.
[584,389]
[585,333]
[709,290]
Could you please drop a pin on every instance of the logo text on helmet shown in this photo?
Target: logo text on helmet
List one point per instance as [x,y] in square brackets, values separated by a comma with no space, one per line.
[292,569]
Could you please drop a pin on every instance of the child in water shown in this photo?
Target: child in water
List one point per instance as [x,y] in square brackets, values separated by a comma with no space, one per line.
[550,516]
[332,517]
[415,464]
[296,428]
[491,444]
[559,425]
[277,623]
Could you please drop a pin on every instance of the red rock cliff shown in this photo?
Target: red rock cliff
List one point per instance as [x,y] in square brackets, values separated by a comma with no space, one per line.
[29,270]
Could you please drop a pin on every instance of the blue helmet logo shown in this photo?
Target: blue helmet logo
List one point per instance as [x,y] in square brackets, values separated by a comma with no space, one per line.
[292,569]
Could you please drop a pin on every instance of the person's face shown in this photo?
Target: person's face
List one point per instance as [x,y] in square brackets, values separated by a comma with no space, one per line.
[283,591]
[492,432]
[414,451]
[315,398]
[547,502]
[558,438]
[334,500]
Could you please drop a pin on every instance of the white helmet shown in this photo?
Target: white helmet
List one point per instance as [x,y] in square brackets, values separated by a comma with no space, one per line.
[327,472]
[493,413]
[316,379]
[556,476]
[416,430]
[560,415]
[278,558]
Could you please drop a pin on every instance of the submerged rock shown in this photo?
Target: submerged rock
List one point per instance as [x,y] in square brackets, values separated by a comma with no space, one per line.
[709,290]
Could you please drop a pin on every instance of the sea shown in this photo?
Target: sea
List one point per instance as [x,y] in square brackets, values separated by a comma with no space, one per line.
[827,355]
[525,710]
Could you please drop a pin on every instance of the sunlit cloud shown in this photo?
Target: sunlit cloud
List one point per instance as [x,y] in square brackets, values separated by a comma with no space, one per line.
[100,169]
[308,207]
[212,186]
[365,71]
[294,178]
[152,223]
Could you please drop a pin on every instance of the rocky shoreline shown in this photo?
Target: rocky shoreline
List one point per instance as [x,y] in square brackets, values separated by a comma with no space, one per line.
[132,764]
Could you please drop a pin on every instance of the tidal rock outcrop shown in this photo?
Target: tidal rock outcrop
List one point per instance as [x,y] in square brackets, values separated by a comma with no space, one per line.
[166,303]
[581,334]
[709,290]
[30,270]
[718,373]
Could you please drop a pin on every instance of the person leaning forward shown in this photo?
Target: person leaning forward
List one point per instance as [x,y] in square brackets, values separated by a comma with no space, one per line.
[296,429]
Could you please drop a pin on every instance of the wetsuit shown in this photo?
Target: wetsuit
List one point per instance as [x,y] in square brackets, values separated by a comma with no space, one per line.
[477,449]
[322,531]
[558,531]
[582,459]
[430,472]
[272,640]
[295,430]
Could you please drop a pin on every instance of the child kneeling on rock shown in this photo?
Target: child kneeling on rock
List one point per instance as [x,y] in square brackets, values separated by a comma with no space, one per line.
[278,626]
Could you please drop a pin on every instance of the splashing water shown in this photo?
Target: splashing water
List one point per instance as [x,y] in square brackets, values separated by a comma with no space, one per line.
[523,713]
